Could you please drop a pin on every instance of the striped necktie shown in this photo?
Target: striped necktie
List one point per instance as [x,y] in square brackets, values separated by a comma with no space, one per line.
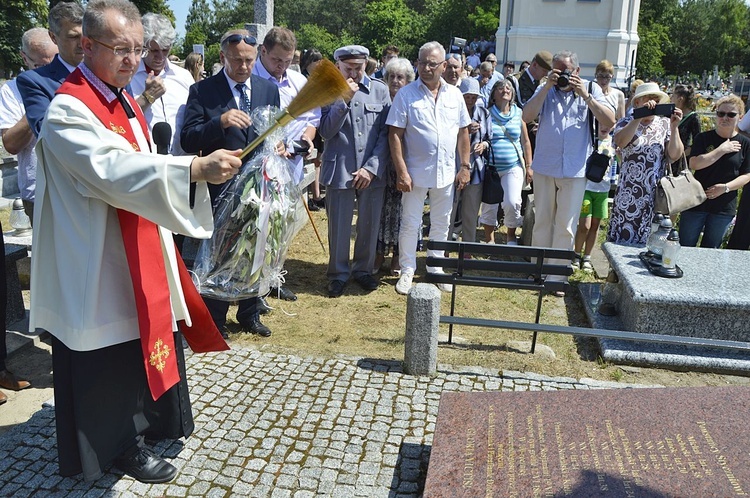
[244,100]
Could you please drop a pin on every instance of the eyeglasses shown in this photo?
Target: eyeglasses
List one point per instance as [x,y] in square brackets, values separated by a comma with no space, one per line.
[236,38]
[604,76]
[723,114]
[431,65]
[124,52]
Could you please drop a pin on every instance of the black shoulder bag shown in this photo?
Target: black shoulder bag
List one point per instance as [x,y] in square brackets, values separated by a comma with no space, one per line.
[597,164]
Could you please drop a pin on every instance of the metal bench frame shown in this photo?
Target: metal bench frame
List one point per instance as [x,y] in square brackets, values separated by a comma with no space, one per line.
[529,262]
[458,271]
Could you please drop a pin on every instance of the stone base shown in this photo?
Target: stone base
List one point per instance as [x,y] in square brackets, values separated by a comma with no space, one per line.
[709,301]
[669,356]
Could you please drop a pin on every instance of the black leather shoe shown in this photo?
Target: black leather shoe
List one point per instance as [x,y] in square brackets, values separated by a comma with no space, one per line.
[312,206]
[224,332]
[263,307]
[367,282]
[146,467]
[336,288]
[256,327]
[283,293]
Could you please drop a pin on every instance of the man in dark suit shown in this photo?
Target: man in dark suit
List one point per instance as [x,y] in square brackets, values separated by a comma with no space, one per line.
[353,169]
[37,87]
[217,116]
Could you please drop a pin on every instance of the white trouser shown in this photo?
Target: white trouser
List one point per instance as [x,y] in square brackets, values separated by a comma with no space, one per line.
[557,206]
[412,207]
[512,182]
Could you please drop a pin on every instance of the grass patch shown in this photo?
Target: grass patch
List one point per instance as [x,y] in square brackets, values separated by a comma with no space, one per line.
[372,325]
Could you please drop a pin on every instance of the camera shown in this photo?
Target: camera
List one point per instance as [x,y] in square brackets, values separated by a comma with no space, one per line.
[457,45]
[563,80]
[665,110]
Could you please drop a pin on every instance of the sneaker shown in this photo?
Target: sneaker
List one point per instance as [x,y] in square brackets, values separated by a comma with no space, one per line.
[445,287]
[586,266]
[404,282]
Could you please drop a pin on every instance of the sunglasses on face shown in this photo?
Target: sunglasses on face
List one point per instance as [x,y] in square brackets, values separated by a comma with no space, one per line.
[236,38]
[723,114]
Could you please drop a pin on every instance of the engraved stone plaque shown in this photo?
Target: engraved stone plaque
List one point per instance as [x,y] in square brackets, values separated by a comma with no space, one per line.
[686,442]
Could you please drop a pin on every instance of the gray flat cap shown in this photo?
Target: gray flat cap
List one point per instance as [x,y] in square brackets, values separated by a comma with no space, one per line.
[351,52]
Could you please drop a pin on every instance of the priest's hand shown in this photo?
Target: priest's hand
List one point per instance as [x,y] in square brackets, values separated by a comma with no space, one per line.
[217,167]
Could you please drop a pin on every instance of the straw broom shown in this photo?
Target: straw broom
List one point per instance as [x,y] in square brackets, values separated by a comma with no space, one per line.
[324,86]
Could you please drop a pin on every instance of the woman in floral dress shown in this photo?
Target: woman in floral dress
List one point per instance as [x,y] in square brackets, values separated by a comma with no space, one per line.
[643,143]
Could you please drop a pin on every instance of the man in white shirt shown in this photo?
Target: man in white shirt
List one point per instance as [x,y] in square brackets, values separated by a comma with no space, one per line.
[563,143]
[428,120]
[276,55]
[37,50]
[162,87]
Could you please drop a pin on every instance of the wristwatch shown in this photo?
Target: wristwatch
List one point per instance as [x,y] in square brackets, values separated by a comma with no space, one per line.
[726,188]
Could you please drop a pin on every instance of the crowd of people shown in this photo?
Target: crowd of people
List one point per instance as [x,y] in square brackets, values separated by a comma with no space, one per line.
[123,153]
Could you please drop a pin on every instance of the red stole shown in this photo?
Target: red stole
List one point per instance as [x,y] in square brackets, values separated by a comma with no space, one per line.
[146,262]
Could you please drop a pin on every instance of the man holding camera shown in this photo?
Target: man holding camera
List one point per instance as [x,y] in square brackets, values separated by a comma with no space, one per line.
[563,143]
[353,170]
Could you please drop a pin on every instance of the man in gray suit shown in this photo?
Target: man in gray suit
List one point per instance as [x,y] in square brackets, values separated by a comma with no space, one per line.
[353,169]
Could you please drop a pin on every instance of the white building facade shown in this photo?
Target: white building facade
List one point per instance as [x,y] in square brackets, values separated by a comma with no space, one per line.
[594,29]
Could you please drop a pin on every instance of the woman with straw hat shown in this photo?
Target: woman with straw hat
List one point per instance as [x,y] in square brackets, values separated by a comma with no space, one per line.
[644,142]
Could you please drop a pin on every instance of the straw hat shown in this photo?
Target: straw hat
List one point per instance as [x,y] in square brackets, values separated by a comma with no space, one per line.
[651,88]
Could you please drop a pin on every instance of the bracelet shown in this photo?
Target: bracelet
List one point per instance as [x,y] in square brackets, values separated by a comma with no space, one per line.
[466,166]
[148,98]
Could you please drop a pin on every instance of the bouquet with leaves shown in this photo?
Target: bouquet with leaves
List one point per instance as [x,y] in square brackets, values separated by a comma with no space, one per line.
[254,220]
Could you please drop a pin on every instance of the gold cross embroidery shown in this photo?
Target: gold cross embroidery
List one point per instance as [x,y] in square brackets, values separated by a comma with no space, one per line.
[117,129]
[157,357]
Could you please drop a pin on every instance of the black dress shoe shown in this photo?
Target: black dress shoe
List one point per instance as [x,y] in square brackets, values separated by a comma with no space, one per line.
[367,282]
[224,332]
[146,467]
[312,206]
[283,293]
[256,327]
[263,307]
[336,288]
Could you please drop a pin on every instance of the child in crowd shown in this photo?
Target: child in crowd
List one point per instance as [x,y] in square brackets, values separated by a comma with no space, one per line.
[594,207]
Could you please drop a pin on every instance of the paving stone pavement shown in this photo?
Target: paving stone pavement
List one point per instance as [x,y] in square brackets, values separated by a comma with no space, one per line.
[272,425]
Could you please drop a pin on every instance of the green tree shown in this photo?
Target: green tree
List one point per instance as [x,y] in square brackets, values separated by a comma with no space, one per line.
[462,18]
[650,50]
[392,22]
[197,25]
[155,6]
[314,36]
[17,16]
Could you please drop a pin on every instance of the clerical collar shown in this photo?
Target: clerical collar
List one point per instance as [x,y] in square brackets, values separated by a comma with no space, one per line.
[108,91]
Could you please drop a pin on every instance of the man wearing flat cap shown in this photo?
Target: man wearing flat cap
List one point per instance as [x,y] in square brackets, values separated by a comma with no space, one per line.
[353,170]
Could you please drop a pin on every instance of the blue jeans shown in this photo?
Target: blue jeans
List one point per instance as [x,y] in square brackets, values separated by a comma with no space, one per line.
[714,227]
